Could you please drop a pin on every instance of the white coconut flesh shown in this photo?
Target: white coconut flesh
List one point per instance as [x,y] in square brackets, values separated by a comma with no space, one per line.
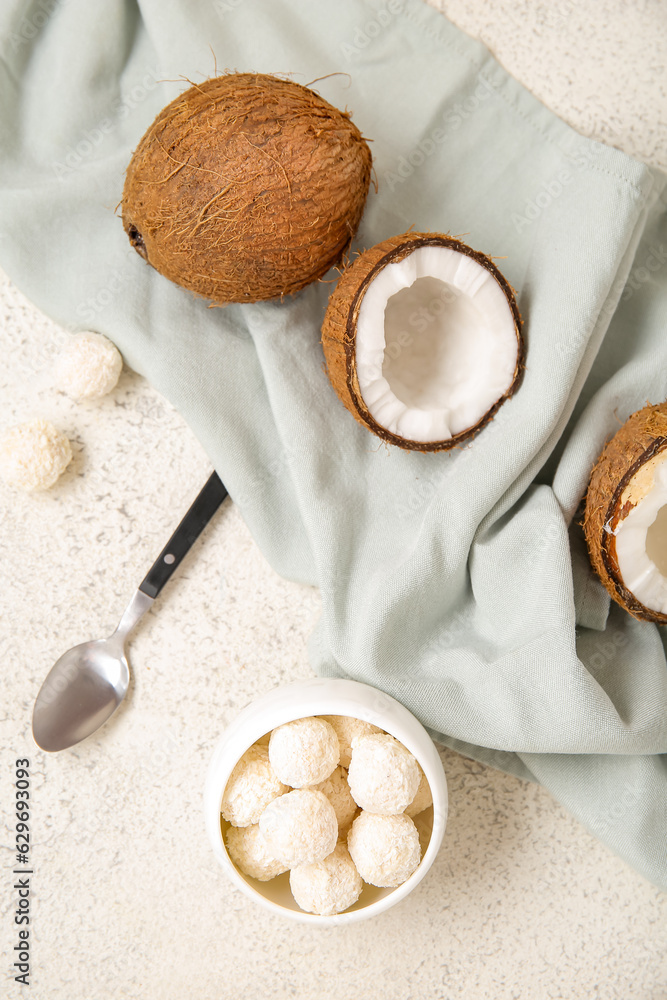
[641,540]
[436,344]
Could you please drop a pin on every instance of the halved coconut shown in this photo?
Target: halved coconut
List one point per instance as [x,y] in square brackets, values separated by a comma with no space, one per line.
[422,340]
[626,515]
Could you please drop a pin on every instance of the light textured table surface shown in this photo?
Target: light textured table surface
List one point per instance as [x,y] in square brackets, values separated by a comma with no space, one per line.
[128,901]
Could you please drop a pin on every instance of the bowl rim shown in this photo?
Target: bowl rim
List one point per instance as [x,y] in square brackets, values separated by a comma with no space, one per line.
[299,700]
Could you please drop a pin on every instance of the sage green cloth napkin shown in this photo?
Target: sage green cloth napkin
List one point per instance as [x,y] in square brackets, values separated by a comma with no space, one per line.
[457,582]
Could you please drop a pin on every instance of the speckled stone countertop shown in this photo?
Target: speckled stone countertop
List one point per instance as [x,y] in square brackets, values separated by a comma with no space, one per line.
[128,901]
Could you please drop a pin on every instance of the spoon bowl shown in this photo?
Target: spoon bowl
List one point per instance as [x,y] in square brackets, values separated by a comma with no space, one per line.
[82,689]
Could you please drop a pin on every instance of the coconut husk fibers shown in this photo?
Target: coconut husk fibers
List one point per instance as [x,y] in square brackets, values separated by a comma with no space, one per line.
[340,328]
[616,485]
[246,187]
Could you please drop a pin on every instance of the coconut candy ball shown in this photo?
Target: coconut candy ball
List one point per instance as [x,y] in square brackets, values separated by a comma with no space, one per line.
[304,752]
[383,775]
[88,367]
[346,729]
[33,455]
[338,793]
[327,886]
[423,799]
[247,849]
[252,785]
[300,827]
[385,849]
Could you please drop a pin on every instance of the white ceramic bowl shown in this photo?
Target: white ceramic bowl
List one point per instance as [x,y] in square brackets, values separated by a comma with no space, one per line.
[321,696]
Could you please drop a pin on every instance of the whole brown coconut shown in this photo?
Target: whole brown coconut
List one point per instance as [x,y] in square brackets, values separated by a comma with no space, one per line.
[246,187]
[416,371]
[624,476]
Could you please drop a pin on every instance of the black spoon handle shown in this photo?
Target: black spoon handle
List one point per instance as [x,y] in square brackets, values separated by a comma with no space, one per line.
[186,534]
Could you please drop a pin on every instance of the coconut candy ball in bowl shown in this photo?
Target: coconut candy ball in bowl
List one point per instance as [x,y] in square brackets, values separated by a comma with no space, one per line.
[262,803]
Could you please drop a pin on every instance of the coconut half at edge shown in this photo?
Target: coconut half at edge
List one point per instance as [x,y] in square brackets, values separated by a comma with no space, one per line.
[625,522]
[422,340]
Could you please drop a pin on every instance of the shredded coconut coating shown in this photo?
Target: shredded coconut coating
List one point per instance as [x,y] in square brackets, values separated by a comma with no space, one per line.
[338,793]
[304,752]
[252,785]
[33,455]
[88,367]
[327,886]
[383,775]
[385,849]
[300,827]
[247,849]
[423,799]
[346,729]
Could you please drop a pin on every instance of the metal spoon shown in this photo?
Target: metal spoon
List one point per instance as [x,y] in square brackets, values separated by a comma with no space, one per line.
[87,684]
